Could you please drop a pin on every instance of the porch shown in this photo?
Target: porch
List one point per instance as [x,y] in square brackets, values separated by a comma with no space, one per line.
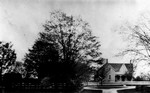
[120,77]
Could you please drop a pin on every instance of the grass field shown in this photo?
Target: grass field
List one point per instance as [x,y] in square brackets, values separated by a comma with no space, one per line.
[91,91]
[132,91]
[109,87]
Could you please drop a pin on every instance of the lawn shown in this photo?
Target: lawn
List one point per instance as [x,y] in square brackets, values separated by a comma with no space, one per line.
[91,91]
[132,91]
[107,86]
[32,91]
[144,90]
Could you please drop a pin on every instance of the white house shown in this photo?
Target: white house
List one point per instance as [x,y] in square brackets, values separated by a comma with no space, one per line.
[116,72]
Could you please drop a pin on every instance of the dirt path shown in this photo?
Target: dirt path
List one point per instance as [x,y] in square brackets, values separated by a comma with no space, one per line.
[110,90]
[115,90]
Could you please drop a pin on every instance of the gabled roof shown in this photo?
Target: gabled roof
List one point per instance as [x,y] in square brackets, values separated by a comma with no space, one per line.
[129,67]
[117,66]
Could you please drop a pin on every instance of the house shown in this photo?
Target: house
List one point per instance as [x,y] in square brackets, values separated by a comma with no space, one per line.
[118,72]
[114,72]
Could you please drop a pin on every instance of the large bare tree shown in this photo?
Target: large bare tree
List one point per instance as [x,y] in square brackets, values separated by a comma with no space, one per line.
[137,34]
[64,50]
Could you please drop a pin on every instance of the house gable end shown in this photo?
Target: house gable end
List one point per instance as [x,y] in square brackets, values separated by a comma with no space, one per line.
[111,68]
[116,67]
[123,69]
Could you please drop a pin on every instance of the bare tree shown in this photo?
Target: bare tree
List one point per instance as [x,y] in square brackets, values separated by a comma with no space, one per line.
[138,37]
[64,49]
[7,56]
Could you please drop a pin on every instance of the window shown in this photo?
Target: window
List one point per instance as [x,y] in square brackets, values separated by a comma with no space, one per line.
[109,76]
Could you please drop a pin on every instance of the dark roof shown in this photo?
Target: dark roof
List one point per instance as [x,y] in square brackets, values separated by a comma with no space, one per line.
[129,67]
[117,66]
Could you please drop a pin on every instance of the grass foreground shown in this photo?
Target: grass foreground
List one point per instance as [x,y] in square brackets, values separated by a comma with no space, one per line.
[132,91]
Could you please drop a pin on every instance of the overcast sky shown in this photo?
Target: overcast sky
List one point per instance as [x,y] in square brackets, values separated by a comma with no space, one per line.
[21,20]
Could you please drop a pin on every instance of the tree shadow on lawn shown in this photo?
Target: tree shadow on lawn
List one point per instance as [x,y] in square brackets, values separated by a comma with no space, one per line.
[34,91]
[107,87]
[132,91]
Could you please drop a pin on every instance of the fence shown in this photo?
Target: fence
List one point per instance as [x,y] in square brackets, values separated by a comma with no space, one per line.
[31,86]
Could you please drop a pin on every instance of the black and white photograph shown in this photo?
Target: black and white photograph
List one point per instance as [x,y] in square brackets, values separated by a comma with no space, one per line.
[74,46]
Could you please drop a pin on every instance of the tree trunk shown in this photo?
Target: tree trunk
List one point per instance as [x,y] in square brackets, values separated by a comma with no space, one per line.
[101,82]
